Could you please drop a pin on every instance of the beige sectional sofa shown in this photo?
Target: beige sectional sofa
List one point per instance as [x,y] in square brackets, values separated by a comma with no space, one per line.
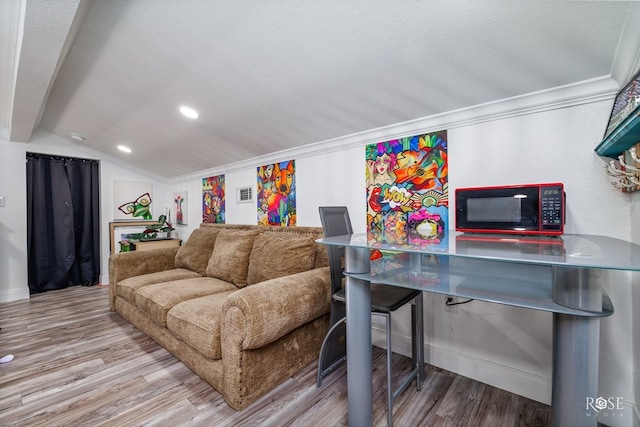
[243,306]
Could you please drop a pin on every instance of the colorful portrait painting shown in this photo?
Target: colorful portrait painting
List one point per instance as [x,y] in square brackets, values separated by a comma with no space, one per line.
[277,194]
[407,188]
[213,198]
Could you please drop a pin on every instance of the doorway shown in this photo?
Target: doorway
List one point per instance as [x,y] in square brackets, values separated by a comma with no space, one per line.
[63,222]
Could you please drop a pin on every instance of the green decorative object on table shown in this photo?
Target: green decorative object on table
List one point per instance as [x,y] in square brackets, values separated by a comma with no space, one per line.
[126,246]
[162,226]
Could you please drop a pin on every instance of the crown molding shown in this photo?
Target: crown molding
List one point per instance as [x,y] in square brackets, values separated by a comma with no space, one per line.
[584,92]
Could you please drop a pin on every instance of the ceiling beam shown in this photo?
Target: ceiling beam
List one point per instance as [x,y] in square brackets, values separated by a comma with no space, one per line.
[47,31]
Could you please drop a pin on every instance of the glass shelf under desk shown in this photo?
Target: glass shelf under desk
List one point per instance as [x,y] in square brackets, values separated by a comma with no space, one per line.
[520,285]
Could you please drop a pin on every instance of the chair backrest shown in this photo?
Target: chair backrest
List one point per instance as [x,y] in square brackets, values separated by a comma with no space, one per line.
[335,222]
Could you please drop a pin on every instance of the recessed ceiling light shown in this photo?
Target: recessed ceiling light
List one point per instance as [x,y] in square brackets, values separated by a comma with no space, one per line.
[77,136]
[189,112]
[124,148]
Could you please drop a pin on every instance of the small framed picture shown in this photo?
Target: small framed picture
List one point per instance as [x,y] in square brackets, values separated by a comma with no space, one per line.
[627,101]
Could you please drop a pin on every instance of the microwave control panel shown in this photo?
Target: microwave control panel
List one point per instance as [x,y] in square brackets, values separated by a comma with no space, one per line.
[552,207]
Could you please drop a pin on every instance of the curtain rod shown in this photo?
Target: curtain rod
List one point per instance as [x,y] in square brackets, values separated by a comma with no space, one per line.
[58,157]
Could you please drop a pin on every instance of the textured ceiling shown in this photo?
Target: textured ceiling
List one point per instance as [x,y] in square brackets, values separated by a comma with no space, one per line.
[272,75]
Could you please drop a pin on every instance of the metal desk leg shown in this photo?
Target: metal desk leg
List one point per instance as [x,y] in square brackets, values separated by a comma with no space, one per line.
[576,343]
[359,359]
[575,370]
[417,328]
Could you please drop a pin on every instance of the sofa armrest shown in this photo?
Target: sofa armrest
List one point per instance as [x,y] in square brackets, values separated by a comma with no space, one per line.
[260,314]
[129,264]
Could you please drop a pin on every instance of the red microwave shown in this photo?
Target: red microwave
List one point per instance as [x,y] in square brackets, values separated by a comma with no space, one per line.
[515,209]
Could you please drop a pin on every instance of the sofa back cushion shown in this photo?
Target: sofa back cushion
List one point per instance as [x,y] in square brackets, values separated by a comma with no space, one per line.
[194,254]
[230,258]
[277,254]
[322,257]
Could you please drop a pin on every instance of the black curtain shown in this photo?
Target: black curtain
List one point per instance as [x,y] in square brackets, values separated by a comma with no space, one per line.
[63,222]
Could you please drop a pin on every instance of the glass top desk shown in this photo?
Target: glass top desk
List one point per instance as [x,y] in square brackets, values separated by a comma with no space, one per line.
[562,275]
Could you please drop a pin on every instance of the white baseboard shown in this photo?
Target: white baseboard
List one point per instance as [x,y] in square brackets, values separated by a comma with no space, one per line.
[504,377]
[14,294]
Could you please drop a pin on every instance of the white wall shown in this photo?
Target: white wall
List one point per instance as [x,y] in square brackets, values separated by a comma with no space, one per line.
[13,222]
[634,322]
[507,347]
[13,217]
[239,213]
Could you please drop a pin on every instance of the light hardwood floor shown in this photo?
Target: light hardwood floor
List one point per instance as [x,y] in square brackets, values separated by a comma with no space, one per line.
[79,364]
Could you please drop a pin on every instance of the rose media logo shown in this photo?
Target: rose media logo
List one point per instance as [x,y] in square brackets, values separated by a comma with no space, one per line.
[604,406]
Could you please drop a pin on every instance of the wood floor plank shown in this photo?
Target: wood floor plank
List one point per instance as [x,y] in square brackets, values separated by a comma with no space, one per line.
[437,383]
[79,364]
[83,410]
[32,384]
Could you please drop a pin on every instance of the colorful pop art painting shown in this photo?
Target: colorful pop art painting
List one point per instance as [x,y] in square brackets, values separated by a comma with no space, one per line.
[132,200]
[277,194]
[213,200]
[407,188]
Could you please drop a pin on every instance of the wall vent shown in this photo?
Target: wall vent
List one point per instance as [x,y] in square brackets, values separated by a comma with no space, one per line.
[244,194]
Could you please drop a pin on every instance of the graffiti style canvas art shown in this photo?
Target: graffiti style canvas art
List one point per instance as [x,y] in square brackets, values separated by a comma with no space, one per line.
[407,188]
[277,194]
[213,200]
[180,205]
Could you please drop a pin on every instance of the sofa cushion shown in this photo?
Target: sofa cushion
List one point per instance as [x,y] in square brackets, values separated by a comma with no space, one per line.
[197,322]
[230,258]
[127,288]
[194,254]
[322,257]
[156,300]
[277,254]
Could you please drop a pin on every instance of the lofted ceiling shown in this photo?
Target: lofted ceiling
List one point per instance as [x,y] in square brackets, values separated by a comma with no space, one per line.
[272,75]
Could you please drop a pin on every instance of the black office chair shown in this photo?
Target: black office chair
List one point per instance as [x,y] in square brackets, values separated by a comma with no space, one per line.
[384,300]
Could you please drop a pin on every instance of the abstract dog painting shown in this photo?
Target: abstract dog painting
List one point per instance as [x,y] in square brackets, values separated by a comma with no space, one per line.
[277,194]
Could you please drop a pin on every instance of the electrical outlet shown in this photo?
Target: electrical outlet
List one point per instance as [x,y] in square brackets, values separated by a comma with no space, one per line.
[1,201]
[450,308]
